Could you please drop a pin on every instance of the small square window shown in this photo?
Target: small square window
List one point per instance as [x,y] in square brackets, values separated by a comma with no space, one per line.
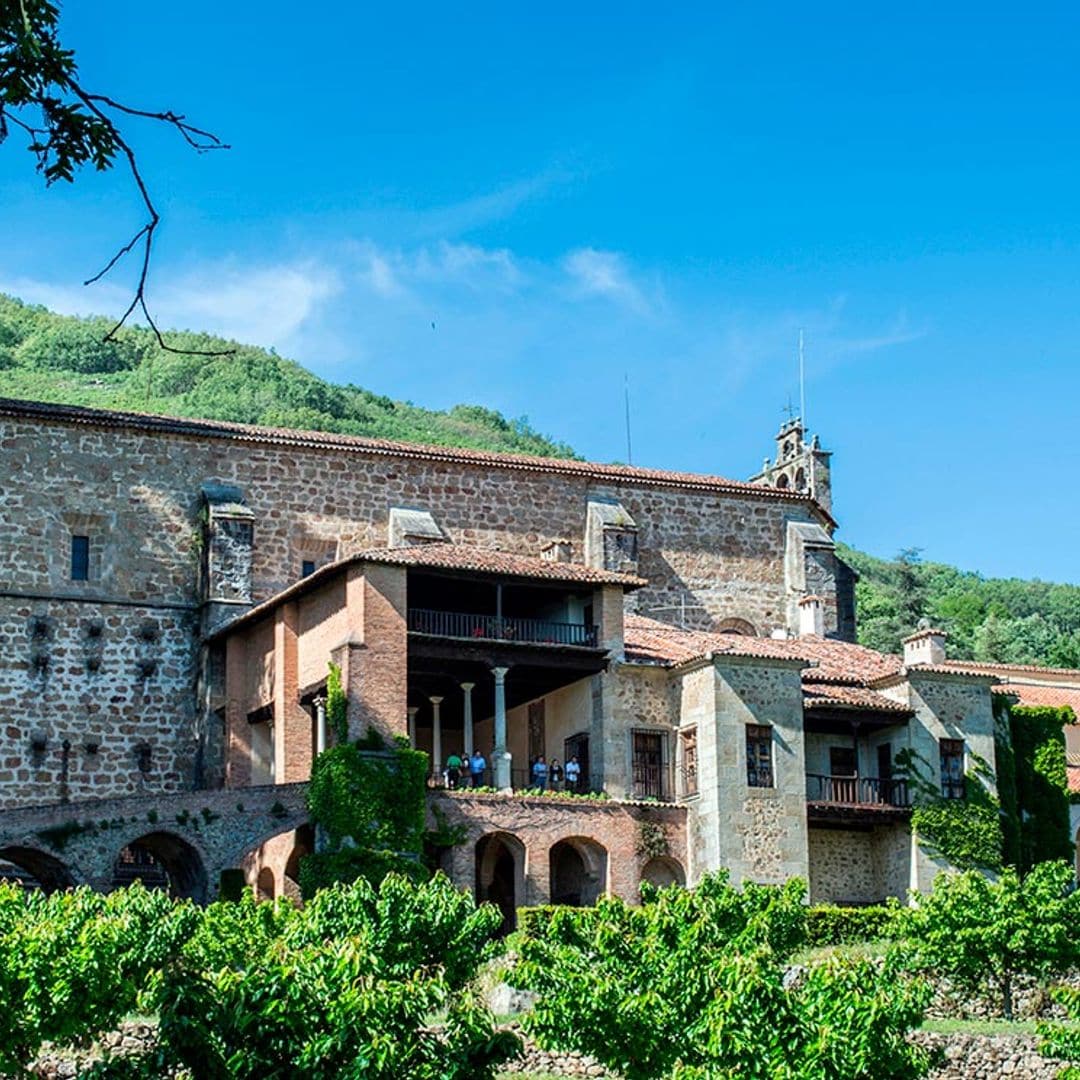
[307,568]
[80,558]
[759,768]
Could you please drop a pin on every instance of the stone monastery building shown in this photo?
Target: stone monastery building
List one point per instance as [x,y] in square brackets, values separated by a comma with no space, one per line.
[172,592]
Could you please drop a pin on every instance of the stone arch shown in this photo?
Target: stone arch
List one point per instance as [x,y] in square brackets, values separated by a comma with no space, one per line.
[736,626]
[39,868]
[500,874]
[579,870]
[782,481]
[174,860]
[264,884]
[303,844]
[800,480]
[663,871]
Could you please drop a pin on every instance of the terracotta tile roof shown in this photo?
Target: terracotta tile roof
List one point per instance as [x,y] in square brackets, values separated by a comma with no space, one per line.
[487,561]
[1074,778]
[1006,669]
[251,433]
[832,695]
[648,640]
[653,642]
[1057,696]
[445,557]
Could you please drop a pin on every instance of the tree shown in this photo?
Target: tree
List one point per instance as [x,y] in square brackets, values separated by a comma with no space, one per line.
[69,126]
[692,985]
[980,932]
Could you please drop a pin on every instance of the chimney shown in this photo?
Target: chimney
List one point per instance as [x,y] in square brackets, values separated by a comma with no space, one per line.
[811,617]
[925,646]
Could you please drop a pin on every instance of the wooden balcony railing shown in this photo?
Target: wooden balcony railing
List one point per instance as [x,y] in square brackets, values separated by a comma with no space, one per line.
[459,624]
[857,790]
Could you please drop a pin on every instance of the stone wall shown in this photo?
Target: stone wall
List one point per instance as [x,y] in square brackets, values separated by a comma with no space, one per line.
[867,866]
[136,488]
[758,833]
[95,699]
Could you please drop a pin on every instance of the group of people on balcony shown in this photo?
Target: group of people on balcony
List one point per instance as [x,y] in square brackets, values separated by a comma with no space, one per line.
[555,776]
[465,772]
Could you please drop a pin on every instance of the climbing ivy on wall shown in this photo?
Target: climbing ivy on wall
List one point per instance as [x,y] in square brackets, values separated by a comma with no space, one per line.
[1042,790]
[966,832]
[337,718]
[369,809]
[1005,758]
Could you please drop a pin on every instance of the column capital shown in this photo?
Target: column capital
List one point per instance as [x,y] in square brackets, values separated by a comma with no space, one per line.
[412,710]
[435,700]
[319,701]
[499,673]
[467,686]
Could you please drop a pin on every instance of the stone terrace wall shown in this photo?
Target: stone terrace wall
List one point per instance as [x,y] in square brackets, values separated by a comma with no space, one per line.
[539,823]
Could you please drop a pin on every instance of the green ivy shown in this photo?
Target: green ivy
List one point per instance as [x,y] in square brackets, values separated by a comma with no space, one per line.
[1005,758]
[369,807]
[965,832]
[1042,790]
[337,705]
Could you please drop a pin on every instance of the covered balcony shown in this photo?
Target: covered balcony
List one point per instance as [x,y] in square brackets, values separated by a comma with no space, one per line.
[852,737]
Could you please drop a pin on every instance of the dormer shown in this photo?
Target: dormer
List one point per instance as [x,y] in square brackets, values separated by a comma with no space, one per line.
[611,536]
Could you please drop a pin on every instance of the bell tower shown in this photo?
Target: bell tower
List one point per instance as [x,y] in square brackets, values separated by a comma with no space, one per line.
[799,465]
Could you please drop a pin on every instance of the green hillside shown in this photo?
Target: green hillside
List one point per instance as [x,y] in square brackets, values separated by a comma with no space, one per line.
[1002,619]
[50,357]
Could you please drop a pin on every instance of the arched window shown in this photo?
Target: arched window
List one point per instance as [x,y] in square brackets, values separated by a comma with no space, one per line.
[800,480]
[782,481]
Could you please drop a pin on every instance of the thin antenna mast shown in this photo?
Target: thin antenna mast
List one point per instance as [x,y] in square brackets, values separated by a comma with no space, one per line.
[802,383]
[626,394]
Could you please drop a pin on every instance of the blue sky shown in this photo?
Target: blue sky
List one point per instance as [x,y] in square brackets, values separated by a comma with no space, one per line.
[574,197]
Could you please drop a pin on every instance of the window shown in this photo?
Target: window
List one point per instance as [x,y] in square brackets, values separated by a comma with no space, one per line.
[649,765]
[307,568]
[759,771]
[620,548]
[688,748]
[80,558]
[841,761]
[952,768]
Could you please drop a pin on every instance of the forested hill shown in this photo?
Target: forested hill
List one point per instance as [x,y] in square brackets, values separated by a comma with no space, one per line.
[50,357]
[1004,619]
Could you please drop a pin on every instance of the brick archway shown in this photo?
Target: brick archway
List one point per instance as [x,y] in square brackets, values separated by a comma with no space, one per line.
[181,861]
[579,871]
[500,874]
[663,871]
[44,869]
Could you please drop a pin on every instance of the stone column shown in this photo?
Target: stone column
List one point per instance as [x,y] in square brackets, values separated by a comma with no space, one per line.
[436,737]
[467,688]
[412,711]
[500,754]
[320,724]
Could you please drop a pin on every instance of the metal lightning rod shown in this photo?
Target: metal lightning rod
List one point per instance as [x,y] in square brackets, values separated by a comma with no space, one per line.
[802,383]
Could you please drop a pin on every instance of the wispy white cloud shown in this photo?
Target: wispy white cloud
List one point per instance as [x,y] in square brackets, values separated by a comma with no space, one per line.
[605,274]
[264,304]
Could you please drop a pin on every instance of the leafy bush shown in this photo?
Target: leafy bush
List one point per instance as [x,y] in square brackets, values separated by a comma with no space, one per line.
[828,925]
[348,986]
[981,932]
[1063,1040]
[72,964]
[692,985]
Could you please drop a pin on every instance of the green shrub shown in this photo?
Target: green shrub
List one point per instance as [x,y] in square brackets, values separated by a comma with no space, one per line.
[692,984]
[828,925]
[979,932]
